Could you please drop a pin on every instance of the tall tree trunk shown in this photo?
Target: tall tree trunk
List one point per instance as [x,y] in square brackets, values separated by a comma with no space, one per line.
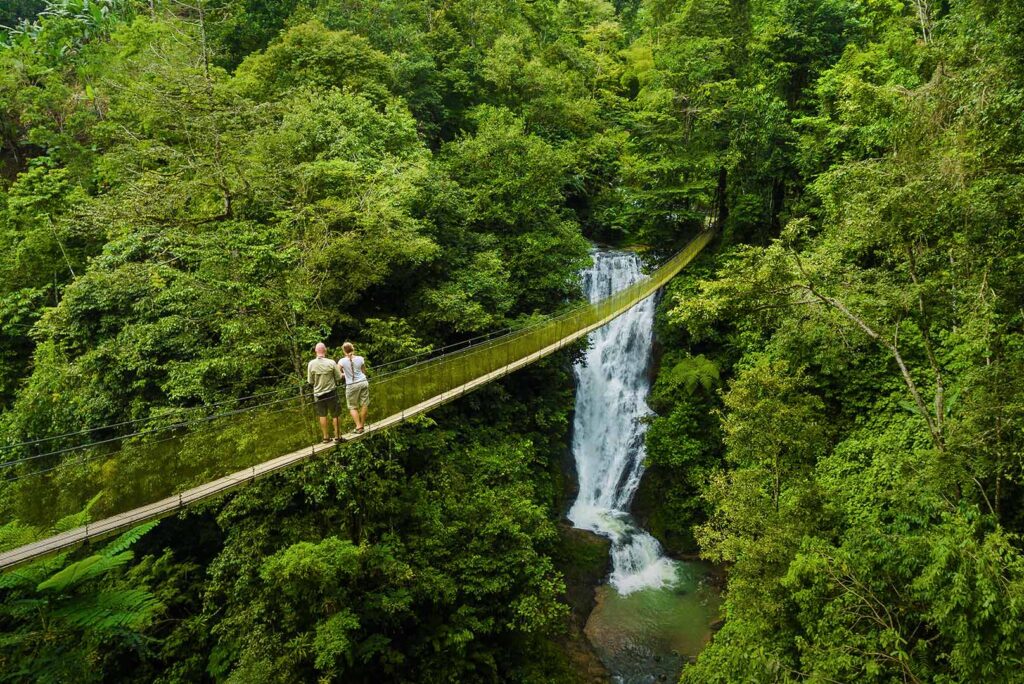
[721,206]
[924,17]
[775,207]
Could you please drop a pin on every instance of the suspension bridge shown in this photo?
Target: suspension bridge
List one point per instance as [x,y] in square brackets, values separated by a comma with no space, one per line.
[127,479]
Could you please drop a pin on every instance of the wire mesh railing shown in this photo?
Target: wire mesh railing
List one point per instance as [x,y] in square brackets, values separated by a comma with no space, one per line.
[413,385]
[122,475]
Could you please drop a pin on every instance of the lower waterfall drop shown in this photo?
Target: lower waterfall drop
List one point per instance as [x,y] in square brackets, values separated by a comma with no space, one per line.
[608,432]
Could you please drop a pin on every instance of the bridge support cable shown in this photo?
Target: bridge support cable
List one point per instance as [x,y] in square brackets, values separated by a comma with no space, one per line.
[149,480]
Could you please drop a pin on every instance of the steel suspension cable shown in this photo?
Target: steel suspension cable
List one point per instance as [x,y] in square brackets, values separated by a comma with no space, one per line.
[86,459]
[182,424]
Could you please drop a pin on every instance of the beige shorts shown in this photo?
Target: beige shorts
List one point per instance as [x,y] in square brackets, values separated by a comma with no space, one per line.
[357,395]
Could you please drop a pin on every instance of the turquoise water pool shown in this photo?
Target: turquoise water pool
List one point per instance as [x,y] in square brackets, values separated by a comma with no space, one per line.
[646,636]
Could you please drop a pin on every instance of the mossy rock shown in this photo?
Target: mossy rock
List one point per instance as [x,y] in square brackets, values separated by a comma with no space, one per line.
[584,560]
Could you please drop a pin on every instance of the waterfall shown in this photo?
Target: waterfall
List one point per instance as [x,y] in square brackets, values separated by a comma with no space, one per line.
[608,433]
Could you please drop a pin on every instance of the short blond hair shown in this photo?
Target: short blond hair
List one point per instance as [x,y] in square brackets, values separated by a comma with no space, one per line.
[348,347]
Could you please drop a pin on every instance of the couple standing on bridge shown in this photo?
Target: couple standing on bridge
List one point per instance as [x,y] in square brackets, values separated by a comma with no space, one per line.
[325,375]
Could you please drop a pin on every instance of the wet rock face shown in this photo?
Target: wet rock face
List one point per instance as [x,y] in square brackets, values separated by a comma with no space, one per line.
[584,561]
[650,513]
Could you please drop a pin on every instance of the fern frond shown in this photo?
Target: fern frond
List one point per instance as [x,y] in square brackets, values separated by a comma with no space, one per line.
[33,573]
[128,538]
[12,639]
[23,577]
[109,610]
[15,534]
[693,372]
[24,671]
[22,608]
[85,569]
[74,520]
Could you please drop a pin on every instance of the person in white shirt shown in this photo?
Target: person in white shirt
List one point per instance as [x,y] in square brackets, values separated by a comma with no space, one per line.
[357,387]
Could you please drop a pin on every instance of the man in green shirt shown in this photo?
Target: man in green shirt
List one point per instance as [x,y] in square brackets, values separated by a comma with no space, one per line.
[323,374]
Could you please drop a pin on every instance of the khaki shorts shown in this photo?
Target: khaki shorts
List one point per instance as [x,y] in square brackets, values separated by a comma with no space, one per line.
[357,395]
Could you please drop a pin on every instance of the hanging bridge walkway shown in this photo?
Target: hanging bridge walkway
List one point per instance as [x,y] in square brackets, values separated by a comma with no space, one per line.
[127,480]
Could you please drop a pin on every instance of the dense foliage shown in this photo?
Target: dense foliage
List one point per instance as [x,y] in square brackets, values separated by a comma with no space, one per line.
[192,194]
[865,343]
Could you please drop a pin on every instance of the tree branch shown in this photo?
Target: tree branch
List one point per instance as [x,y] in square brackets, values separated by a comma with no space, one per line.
[893,349]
